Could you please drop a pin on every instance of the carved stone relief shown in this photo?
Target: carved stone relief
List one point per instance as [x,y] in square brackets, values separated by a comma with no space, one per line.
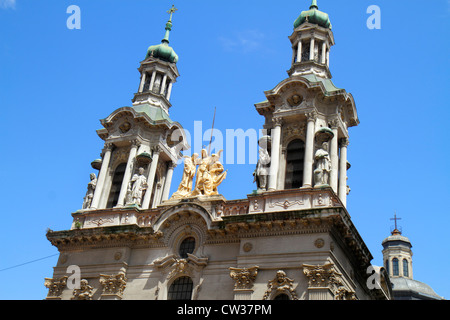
[280,284]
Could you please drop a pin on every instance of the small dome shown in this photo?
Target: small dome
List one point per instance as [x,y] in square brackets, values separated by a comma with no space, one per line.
[96,164]
[403,288]
[144,158]
[315,16]
[162,51]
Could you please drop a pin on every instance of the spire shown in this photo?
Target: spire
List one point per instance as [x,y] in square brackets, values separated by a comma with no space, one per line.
[314,5]
[169,24]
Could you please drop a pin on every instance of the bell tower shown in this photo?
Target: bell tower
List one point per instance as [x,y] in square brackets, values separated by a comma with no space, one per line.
[142,144]
[158,72]
[307,116]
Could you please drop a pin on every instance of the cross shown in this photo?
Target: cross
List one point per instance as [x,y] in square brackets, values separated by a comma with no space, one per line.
[395,219]
[171,11]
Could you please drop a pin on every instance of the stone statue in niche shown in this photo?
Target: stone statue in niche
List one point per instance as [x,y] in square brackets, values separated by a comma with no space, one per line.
[136,188]
[90,191]
[295,100]
[262,170]
[323,166]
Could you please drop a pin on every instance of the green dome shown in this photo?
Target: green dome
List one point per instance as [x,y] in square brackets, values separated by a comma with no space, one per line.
[313,15]
[162,51]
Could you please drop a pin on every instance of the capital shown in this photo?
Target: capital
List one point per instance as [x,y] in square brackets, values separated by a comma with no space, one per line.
[172,165]
[156,149]
[277,122]
[109,146]
[343,142]
[311,116]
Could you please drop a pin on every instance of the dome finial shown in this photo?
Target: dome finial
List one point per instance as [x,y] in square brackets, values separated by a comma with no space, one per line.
[396,231]
[169,24]
[313,5]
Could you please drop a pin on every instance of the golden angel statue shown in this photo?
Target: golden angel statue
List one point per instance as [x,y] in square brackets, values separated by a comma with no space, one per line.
[209,175]
[185,187]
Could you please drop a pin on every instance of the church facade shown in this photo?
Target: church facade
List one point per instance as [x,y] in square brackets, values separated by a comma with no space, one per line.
[292,239]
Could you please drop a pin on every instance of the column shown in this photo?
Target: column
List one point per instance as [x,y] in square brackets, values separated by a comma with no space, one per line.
[102,176]
[152,81]
[141,87]
[151,178]
[127,174]
[343,171]
[334,157]
[328,57]
[168,182]
[299,51]
[275,155]
[311,49]
[324,52]
[169,91]
[163,85]
[309,151]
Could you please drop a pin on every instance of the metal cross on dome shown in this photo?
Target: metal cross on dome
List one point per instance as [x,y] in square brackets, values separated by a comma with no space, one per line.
[395,219]
[171,11]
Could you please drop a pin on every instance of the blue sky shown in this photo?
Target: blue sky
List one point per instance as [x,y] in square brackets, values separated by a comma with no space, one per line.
[56,83]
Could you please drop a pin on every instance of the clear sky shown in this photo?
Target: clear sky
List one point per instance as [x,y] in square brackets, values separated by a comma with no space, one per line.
[57,83]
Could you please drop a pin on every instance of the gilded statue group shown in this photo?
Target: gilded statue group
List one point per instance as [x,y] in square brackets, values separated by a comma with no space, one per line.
[209,175]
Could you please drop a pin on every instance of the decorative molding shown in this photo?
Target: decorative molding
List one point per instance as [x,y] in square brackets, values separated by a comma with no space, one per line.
[98,222]
[280,284]
[244,277]
[284,204]
[176,266]
[293,131]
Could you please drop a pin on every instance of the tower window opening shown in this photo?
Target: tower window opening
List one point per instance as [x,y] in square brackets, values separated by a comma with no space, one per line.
[395,270]
[282,296]
[147,83]
[181,289]
[306,51]
[187,246]
[295,153]
[116,185]
[405,268]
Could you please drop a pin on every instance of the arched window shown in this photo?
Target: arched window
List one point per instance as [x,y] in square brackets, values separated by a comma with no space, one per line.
[405,268]
[186,246]
[387,266]
[281,296]
[395,270]
[116,185]
[295,153]
[181,289]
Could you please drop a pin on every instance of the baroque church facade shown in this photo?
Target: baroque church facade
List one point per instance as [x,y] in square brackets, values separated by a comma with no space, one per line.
[292,239]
